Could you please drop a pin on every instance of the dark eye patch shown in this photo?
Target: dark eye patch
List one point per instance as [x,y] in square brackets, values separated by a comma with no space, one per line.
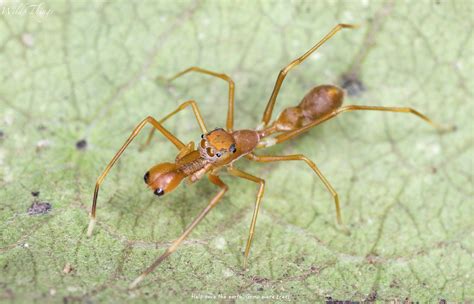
[232,148]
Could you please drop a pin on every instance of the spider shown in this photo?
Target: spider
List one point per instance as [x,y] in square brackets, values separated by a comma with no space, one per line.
[221,148]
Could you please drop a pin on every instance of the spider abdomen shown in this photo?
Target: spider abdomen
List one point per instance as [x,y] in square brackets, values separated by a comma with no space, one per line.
[320,101]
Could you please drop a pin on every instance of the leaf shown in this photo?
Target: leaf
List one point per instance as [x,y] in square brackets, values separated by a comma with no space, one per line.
[76,80]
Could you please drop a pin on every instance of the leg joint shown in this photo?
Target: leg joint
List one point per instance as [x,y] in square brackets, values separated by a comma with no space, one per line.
[231,83]
[186,103]
[285,70]
[228,79]
[191,103]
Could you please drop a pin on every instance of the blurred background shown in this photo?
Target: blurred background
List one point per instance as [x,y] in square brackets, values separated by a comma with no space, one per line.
[77,76]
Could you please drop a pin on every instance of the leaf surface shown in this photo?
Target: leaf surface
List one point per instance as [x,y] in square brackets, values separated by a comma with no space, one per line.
[77,80]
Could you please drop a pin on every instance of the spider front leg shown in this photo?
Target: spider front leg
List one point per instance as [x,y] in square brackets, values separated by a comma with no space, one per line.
[238,173]
[215,180]
[182,106]
[228,79]
[178,144]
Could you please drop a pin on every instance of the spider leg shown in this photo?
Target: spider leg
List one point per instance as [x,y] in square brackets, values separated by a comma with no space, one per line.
[230,110]
[182,106]
[238,173]
[349,108]
[267,115]
[179,145]
[312,165]
[215,180]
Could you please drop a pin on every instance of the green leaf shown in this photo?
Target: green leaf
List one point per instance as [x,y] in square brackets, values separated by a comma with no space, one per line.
[73,71]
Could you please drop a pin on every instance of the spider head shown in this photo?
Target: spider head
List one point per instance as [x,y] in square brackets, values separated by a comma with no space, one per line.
[163,178]
[217,146]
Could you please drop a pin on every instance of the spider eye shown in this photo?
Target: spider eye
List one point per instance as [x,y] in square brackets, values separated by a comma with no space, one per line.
[210,152]
[202,135]
[218,154]
[159,192]
[232,148]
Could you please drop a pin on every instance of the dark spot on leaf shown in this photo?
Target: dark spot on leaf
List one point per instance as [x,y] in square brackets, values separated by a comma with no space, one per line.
[38,208]
[442,301]
[35,193]
[329,300]
[394,284]
[81,144]
[2,135]
[259,280]
[372,297]
[352,84]
[260,289]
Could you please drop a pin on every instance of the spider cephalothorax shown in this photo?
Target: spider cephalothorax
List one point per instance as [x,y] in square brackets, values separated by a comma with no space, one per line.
[217,146]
